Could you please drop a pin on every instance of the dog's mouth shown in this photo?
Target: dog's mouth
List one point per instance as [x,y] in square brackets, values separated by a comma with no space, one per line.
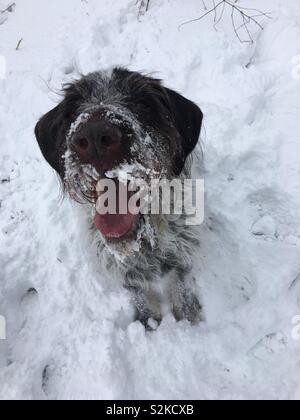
[113,217]
[115,226]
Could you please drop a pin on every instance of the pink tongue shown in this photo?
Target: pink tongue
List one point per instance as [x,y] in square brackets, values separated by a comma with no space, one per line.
[114,225]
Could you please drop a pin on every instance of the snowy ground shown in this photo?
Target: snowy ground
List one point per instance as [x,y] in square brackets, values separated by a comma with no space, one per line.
[69,334]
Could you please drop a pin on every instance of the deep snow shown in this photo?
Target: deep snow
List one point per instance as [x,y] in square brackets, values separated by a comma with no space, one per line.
[69,333]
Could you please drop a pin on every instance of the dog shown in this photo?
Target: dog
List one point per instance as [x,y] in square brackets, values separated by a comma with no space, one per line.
[112,118]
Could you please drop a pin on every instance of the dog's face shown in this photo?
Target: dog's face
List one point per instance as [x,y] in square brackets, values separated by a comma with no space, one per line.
[112,120]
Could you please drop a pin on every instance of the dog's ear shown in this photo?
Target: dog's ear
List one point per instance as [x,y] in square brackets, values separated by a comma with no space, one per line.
[188,119]
[47,132]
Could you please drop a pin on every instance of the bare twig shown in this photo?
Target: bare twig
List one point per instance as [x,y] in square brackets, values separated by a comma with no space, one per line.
[295,282]
[19,44]
[143,7]
[221,16]
[215,11]
[201,17]
[247,15]
[10,8]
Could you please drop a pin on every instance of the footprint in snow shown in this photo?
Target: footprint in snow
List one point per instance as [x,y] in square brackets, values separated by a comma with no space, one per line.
[265,226]
[271,345]
[29,300]
[48,374]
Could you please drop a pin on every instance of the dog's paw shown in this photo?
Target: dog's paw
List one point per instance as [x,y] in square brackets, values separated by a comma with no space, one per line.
[188,308]
[150,321]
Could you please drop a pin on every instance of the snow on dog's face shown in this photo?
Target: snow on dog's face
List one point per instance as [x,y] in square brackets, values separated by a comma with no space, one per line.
[109,121]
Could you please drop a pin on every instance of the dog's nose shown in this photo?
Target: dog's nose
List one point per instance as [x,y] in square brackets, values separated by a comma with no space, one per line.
[96,141]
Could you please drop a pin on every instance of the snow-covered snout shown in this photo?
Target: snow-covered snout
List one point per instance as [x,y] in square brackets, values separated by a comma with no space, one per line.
[107,143]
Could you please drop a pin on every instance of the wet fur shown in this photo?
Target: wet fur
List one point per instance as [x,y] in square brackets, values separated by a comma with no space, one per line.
[161,264]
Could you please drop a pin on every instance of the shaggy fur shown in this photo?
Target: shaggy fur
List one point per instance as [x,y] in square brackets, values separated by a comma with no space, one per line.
[160,129]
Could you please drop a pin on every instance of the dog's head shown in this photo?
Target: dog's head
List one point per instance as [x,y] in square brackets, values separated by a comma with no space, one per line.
[110,119]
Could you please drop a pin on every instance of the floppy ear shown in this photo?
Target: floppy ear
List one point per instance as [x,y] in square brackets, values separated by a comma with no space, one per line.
[48,134]
[188,121]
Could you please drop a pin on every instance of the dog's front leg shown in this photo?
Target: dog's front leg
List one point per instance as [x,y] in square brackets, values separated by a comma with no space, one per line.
[185,302]
[147,304]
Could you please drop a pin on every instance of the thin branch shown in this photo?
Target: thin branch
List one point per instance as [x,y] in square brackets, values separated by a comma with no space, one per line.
[260,13]
[247,30]
[215,11]
[248,16]
[234,25]
[9,8]
[221,16]
[143,7]
[19,44]
[204,5]
[201,17]
[295,282]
